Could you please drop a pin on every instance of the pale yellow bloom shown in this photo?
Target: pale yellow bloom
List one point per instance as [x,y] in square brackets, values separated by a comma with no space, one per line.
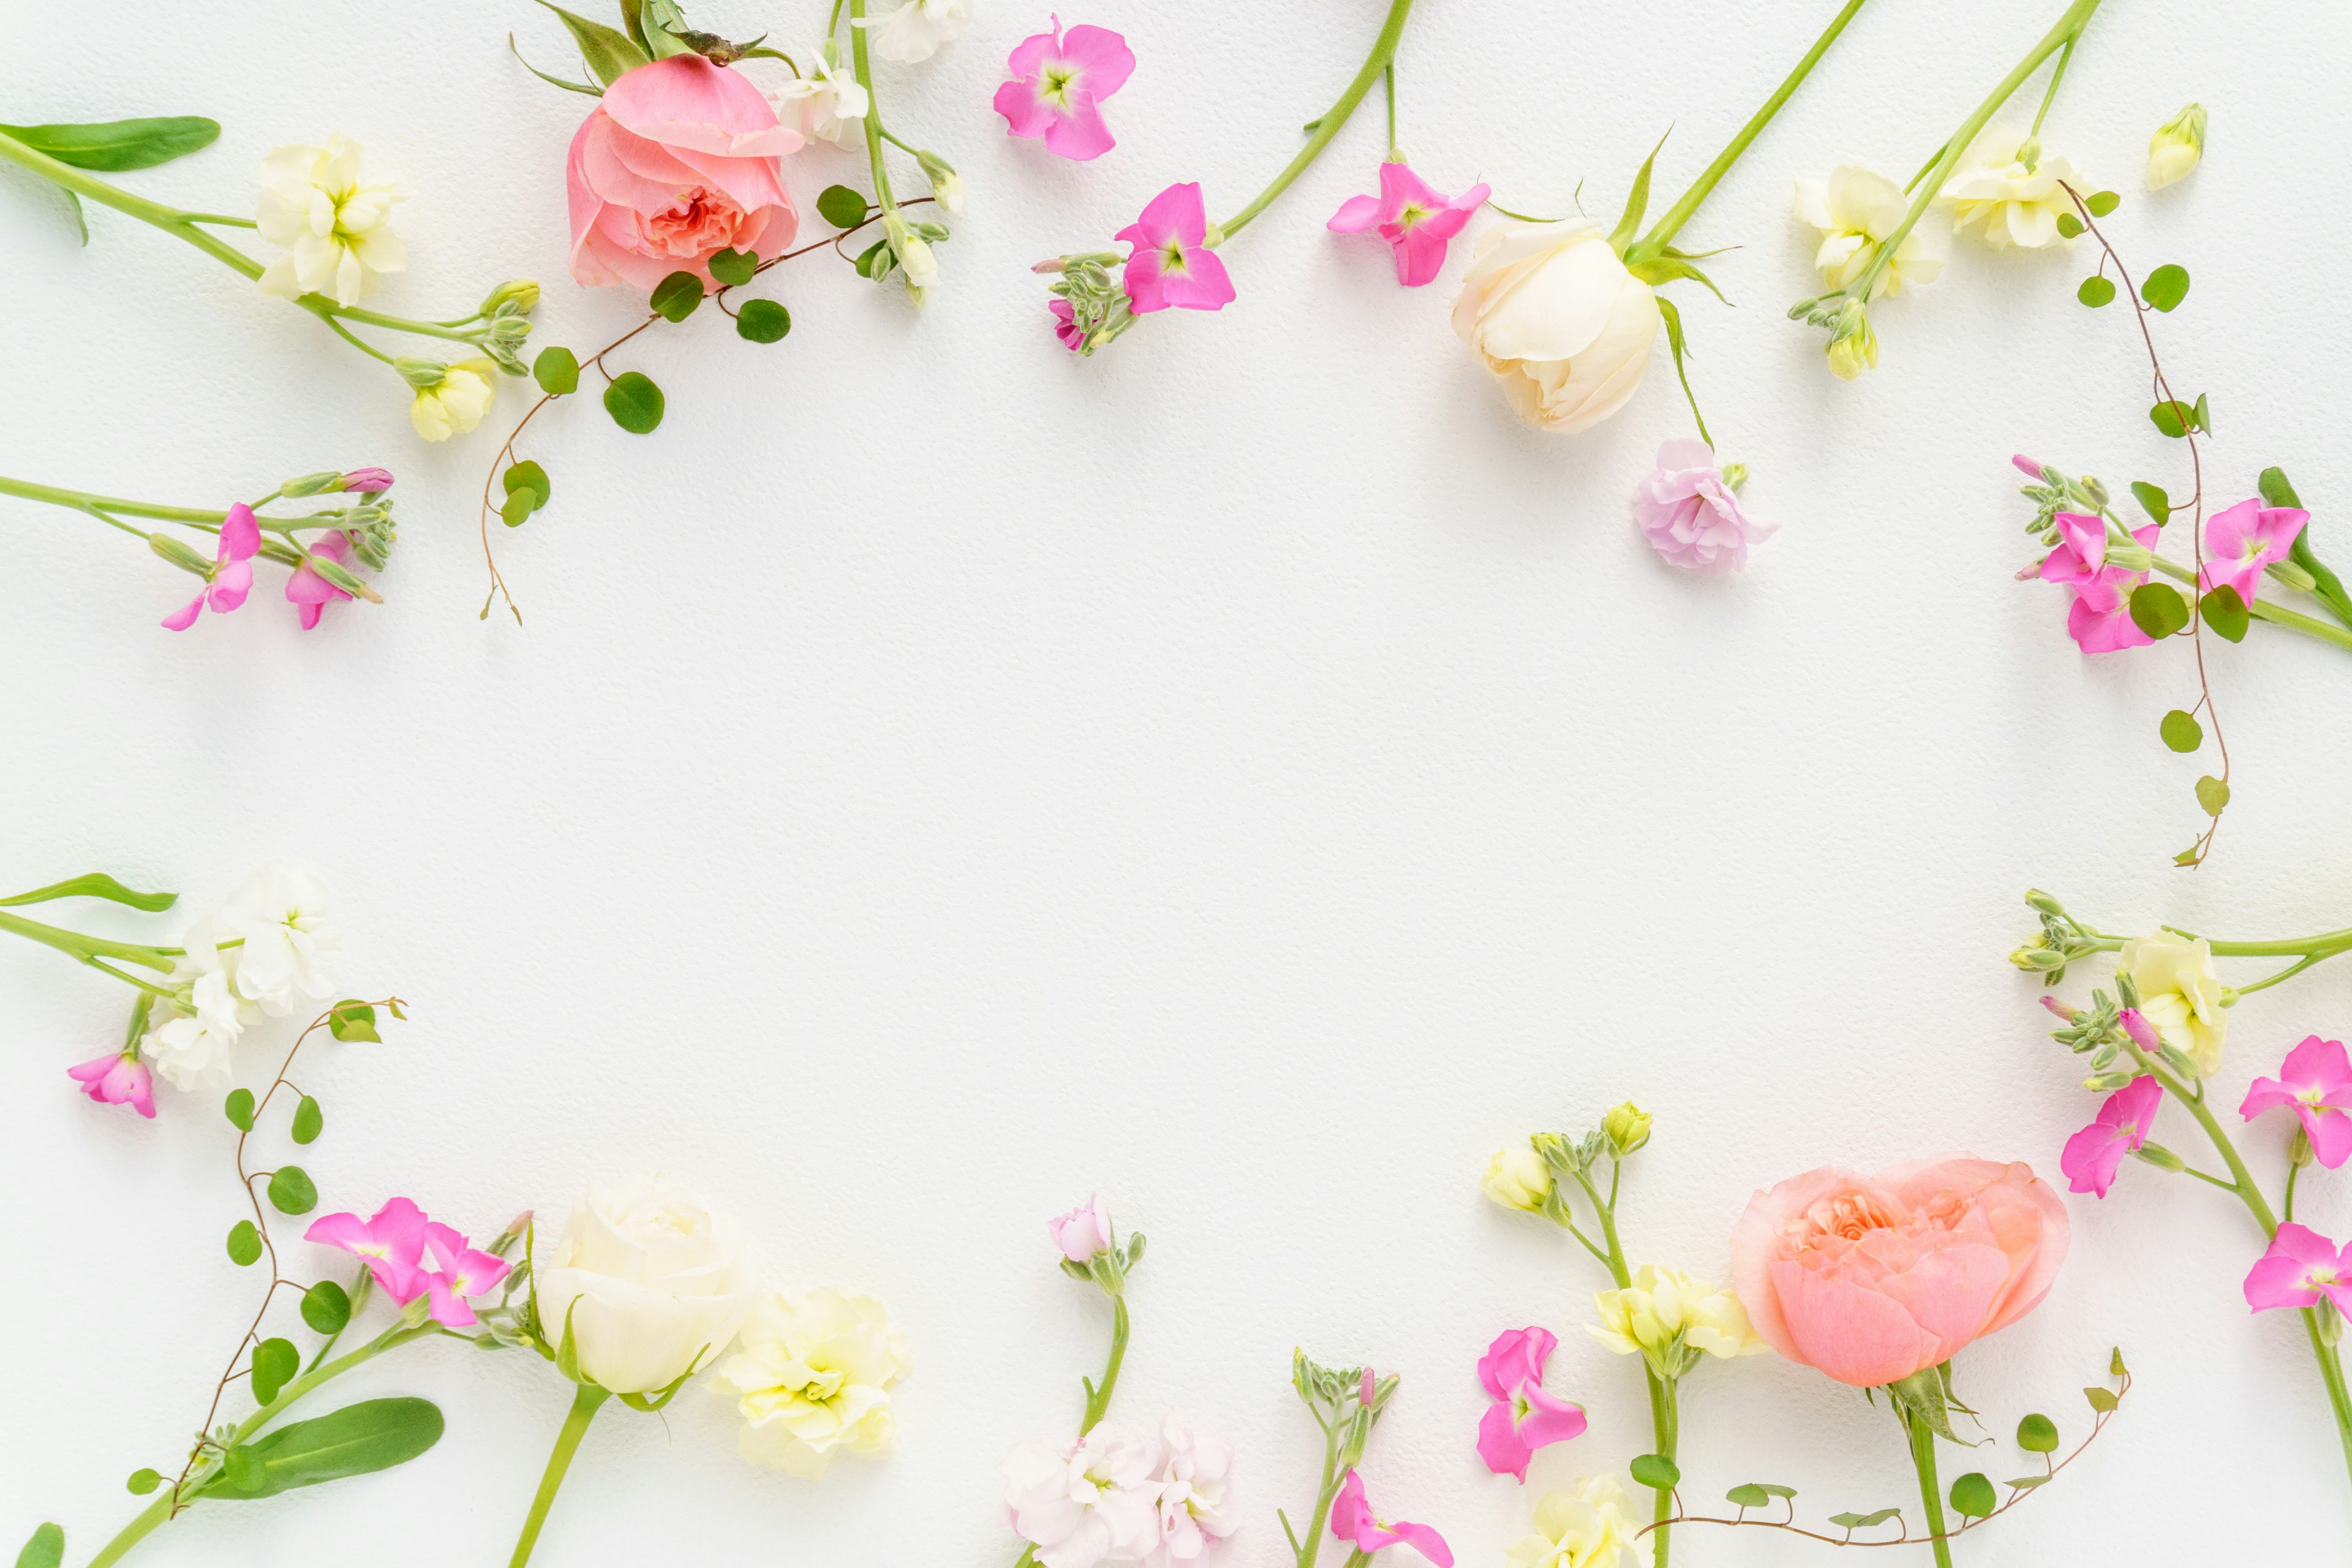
[1856,209]
[1587,1527]
[2176,147]
[1627,1127]
[457,403]
[1552,312]
[335,225]
[1670,1321]
[2010,202]
[2179,993]
[813,1378]
[1517,1178]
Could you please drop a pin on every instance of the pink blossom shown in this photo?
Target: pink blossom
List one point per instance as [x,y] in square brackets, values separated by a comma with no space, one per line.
[118,1078]
[2143,1033]
[2026,466]
[391,1245]
[2300,1268]
[1066,325]
[232,574]
[1059,81]
[310,592]
[1691,515]
[1171,263]
[2240,542]
[2100,620]
[1413,218]
[368,481]
[459,1272]
[1084,1233]
[2092,1156]
[1523,1417]
[1352,1521]
[2316,1081]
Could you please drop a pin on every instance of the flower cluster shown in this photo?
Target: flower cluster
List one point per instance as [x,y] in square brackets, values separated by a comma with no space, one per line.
[393,1246]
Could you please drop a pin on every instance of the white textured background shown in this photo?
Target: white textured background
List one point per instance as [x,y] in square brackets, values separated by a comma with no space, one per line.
[1245,771]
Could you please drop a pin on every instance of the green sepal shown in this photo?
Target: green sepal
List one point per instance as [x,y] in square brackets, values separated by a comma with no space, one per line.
[567,1350]
[1667,267]
[115,145]
[609,53]
[1924,1398]
[1637,202]
[551,80]
[96,885]
[1673,316]
[652,1402]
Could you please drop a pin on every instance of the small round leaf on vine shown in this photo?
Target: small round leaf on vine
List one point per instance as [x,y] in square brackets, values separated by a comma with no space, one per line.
[2158,609]
[734,268]
[239,1109]
[556,370]
[2069,225]
[635,403]
[2214,796]
[243,1243]
[2097,291]
[1655,1471]
[2165,287]
[841,206]
[763,321]
[2102,203]
[2174,418]
[675,296]
[326,1306]
[1972,1496]
[2038,1435]
[2153,501]
[309,1120]
[141,1482]
[2182,733]
[292,1191]
[2225,612]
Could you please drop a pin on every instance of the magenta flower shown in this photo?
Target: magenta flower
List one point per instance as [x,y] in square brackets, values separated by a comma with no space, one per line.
[1058,84]
[391,1245]
[310,592]
[1416,220]
[1171,263]
[231,578]
[2245,539]
[459,1272]
[1523,1417]
[2026,466]
[2092,1156]
[370,480]
[2318,1082]
[2100,621]
[2300,1268]
[1352,1521]
[118,1078]
[1066,325]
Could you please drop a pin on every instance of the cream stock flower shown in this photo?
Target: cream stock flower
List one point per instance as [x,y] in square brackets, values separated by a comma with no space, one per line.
[455,404]
[1856,209]
[1670,1320]
[813,1376]
[826,105]
[1589,1527]
[335,226]
[2179,993]
[1517,1178]
[1994,190]
[192,1041]
[1550,310]
[649,1283]
[285,916]
[916,29]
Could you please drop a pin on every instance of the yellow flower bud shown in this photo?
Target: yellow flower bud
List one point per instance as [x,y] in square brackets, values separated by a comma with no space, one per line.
[1627,1127]
[455,404]
[1517,1178]
[2176,147]
[1854,347]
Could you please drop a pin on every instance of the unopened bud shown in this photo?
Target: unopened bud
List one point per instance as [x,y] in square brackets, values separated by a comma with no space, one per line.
[2026,466]
[946,183]
[2293,576]
[2062,1009]
[2108,1082]
[2036,899]
[2095,490]
[424,374]
[1735,475]
[1051,264]
[2176,147]
[2029,152]
[311,485]
[521,293]
[372,481]
[341,577]
[2157,1155]
[1627,1127]
[2038,958]
[2299,1152]
[1854,347]
[2130,557]
[1802,310]
[179,554]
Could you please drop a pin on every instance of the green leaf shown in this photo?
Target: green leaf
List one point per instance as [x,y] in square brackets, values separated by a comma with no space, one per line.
[2158,609]
[1757,1494]
[635,403]
[611,54]
[1657,1472]
[1779,1491]
[118,145]
[141,1482]
[529,477]
[241,1466]
[2153,501]
[292,1191]
[275,1363]
[2225,613]
[734,268]
[518,507]
[309,1120]
[2097,291]
[73,211]
[557,371]
[763,321]
[2102,203]
[2102,1400]
[675,296]
[841,206]
[2026,1483]
[2165,287]
[2182,733]
[97,885]
[580,86]
[243,1243]
[2173,418]
[348,1021]
[239,1109]
[1637,202]
[2214,796]
[876,260]
[1972,1496]
[2037,1435]
[2202,415]
[1862,1521]
[2069,225]
[327,1306]
[47,1549]
[2116,1362]
[2189,856]
[358,1439]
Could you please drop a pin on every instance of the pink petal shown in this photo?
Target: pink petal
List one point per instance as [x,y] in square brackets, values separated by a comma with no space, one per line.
[1420,255]
[447,1309]
[1176,214]
[181,620]
[2264,1094]
[2091,1159]
[1028,58]
[1400,187]
[1201,285]
[231,581]
[687,101]
[1025,113]
[240,535]
[1104,57]
[1499,1444]
[2330,1132]
[1355,215]
[1423,1539]
[2320,1064]
[1550,1419]
[1079,133]
[1348,1511]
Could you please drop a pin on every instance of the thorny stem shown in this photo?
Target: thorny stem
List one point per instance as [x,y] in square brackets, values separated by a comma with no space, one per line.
[1384,50]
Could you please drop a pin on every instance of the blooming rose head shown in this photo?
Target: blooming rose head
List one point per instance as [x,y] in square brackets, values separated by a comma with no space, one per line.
[118,1078]
[677,164]
[2176,148]
[1871,1278]
[1670,1321]
[1689,510]
[812,1377]
[647,1282]
[1589,1526]
[1092,1499]
[1517,1178]
[1550,310]
[2179,995]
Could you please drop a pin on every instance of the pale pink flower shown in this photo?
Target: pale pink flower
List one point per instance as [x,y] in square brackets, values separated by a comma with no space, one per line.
[391,1245]
[1353,1521]
[459,1272]
[1691,515]
[1084,1233]
[1171,263]
[2301,1267]
[231,578]
[368,482]
[118,1078]
[2093,1156]
[1086,1504]
[2026,466]
[1195,1496]
[1059,81]
[2100,620]
[1413,218]
[1524,1418]
[2240,542]
[2316,1082]
[311,593]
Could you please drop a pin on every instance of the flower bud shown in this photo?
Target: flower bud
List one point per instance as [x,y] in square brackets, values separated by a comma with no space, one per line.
[1735,475]
[2065,1010]
[2130,557]
[1627,1127]
[521,293]
[2035,899]
[2038,958]
[179,554]
[1517,1178]
[341,577]
[372,481]
[311,485]
[2031,470]
[2162,1157]
[2029,152]
[1854,347]
[2299,1152]
[946,183]
[2293,576]
[2097,491]
[2108,1082]
[424,374]
[2176,148]
[2331,1321]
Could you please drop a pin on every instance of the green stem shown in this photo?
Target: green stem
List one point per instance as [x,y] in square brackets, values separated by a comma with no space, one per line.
[1383,51]
[1655,243]
[586,1400]
[2263,610]
[1666,1417]
[1098,1398]
[1389,74]
[863,70]
[1923,1460]
[87,949]
[2326,944]
[2057,75]
[1311,1546]
[83,501]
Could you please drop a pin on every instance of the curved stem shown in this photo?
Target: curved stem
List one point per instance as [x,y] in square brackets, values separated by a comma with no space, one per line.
[863,70]
[1383,51]
[585,1402]
[1099,1400]
[2057,75]
[1923,1460]
[171,220]
[87,949]
[83,501]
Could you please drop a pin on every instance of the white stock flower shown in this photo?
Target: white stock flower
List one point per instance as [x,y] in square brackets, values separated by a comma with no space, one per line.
[2176,147]
[1590,1527]
[1855,210]
[335,226]
[2179,993]
[826,105]
[285,915]
[916,29]
[1091,1501]
[1992,191]
[192,1042]
[1195,1504]
[1669,1319]
[649,1282]
[1550,310]
[1517,1178]
[812,1377]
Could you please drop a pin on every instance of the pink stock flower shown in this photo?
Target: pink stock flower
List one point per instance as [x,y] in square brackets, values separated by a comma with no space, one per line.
[232,573]
[1059,81]
[369,481]
[391,1245]
[2093,1156]
[1523,1417]
[2026,466]
[2100,621]
[1352,1521]
[2240,542]
[1871,1278]
[676,163]
[2316,1081]
[1084,1233]
[459,1272]
[311,593]
[1066,325]
[1416,220]
[2301,1267]
[118,1078]
[1171,263]
[1691,515]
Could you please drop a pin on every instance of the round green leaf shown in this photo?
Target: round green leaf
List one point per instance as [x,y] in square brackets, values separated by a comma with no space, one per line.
[2038,1435]
[243,1243]
[635,403]
[734,268]
[348,1021]
[326,1306]
[876,260]
[1655,1471]
[2182,732]
[2069,225]
[292,1191]
[518,507]
[2214,796]
[2158,609]
[275,1364]
[841,206]
[763,321]
[2153,501]
[556,370]
[2165,287]
[309,1120]
[141,1482]
[529,476]
[675,296]
[239,1109]
[2097,291]
[2102,203]
[2173,418]
[1748,1496]
[2225,613]
[1972,1496]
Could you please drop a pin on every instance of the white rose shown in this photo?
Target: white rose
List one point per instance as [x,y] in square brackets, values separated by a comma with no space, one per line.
[1552,312]
[650,1282]
[285,915]
[812,1377]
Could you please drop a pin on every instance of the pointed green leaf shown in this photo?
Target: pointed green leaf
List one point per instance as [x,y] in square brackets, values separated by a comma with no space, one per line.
[118,145]
[610,53]
[309,1120]
[635,403]
[1637,202]
[2173,418]
[734,268]
[675,296]
[327,1306]
[1657,1472]
[292,1191]
[763,321]
[275,1363]
[1673,316]
[661,43]
[141,1482]
[1864,1520]
[632,18]
[2153,501]
[2038,1435]
[2225,613]
[373,1434]
[2069,225]
[557,371]
[1972,1496]
[243,1243]
[2158,609]
[2097,291]
[2165,287]
[2116,1362]
[2102,203]
[47,1549]
[842,207]
[2201,415]
[2102,1400]
[2214,796]
[567,86]
[239,1109]
[96,885]
[2182,732]
[348,1021]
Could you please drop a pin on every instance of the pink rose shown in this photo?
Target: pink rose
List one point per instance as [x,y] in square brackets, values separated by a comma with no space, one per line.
[1871,1278]
[677,164]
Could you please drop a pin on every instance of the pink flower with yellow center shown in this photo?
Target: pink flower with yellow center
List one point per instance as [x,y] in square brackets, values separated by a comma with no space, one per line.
[1058,83]
[1415,219]
[1171,263]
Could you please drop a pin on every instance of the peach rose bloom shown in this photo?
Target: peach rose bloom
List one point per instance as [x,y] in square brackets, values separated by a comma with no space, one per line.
[677,164]
[1871,1278]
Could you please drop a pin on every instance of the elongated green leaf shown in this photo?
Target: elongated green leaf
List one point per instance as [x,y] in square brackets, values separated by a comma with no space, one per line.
[73,211]
[611,54]
[96,885]
[118,145]
[1680,346]
[357,1440]
[47,1549]
[2152,500]
[579,87]
[1637,202]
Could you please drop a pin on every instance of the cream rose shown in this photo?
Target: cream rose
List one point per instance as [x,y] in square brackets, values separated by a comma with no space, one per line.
[651,1283]
[1551,311]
